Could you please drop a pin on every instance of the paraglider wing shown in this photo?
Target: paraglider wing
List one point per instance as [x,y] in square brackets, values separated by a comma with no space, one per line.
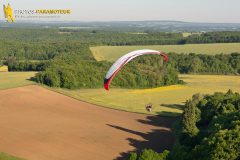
[124,60]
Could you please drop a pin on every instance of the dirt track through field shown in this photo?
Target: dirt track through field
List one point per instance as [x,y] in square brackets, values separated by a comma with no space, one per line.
[38,124]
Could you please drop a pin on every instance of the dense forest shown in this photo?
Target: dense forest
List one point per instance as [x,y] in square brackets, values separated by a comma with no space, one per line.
[82,71]
[214,37]
[94,37]
[26,43]
[183,63]
[45,44]
[205,64]
[73,71]
[208,130]
[38,50]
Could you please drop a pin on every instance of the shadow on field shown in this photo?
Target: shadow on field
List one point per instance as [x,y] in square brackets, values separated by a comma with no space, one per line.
[157,140]
[175,106]
[33,79]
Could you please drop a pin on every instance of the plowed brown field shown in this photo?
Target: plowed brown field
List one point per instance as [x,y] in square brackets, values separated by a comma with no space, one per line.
[38,124]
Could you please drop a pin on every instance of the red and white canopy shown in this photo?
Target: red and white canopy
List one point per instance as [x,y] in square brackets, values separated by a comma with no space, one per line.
[124,60]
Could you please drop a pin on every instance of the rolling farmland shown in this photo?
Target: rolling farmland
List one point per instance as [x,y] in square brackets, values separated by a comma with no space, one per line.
[38,124]
[111,53]
[165,100]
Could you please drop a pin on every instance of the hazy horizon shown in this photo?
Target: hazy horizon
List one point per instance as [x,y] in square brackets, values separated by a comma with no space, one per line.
[214,11]
[96,21]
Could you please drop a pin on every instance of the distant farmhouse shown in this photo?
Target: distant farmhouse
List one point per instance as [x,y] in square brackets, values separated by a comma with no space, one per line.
[3,68]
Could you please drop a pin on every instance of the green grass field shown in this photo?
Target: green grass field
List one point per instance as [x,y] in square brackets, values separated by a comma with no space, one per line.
[4,156]
[165,100]
[187,34]
[15,79]
[111,53]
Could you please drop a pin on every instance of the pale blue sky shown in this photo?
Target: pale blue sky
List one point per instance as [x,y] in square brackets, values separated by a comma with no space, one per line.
[107,10]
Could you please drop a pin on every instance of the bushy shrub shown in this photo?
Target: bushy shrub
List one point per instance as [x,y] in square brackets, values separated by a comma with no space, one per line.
[148,154]
[217,122]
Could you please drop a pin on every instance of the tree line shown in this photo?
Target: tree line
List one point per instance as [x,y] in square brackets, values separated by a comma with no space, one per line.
[198,63]
[78,71]
[71,71]
[206,64]
[183,63]
[214,37]
[45,44]
[40,50]
[208,130]
[42,44]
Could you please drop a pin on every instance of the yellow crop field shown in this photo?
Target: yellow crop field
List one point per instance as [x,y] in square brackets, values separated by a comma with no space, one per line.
[159,89]
[111,53]
[3,68]
[166,100]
